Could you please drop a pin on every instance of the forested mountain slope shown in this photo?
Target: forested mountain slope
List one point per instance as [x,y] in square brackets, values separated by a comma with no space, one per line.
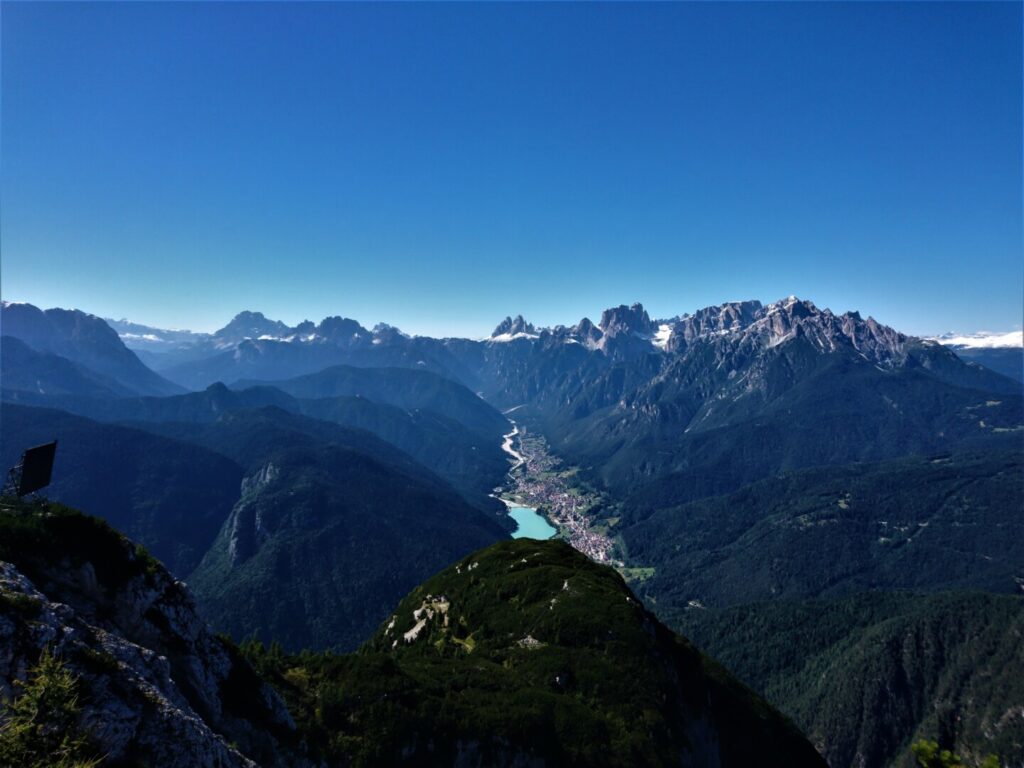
[946,522]
[522,653]
[527,653]
[472,462]
[867,675]
[170,494]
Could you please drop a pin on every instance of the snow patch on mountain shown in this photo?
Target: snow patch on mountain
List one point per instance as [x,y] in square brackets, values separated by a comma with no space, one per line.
[662,335]
[504,337]
[140,336]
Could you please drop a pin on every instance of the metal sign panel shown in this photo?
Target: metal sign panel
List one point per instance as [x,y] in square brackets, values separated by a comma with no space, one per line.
[37,467]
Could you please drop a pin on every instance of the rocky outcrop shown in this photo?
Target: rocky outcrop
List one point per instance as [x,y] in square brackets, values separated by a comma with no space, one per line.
[741,326]
[157,686]
[135,709]
[587,333]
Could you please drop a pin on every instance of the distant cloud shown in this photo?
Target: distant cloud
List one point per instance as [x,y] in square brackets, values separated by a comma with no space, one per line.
[983,339]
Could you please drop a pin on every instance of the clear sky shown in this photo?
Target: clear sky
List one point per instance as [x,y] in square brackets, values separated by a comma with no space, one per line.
[441,166]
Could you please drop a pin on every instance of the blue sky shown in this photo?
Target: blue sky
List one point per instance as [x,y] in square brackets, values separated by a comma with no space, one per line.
[441,166]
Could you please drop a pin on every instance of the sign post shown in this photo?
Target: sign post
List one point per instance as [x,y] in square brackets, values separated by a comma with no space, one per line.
[33,472]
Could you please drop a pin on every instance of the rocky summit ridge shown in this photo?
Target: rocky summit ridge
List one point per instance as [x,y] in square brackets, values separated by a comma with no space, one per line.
[251,346]
[739,323]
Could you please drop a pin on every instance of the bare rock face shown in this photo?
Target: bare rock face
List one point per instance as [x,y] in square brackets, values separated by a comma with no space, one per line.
[626,320]
[729,335]
[516,326]
[157,686]
[587,333]
[343,332]
[134,710]
[246,520]
[751,325]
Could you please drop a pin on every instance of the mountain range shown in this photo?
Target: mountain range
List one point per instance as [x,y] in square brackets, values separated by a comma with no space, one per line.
[166,348]
[778,459]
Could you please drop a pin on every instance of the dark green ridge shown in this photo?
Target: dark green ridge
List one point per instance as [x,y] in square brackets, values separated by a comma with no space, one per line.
[530,652]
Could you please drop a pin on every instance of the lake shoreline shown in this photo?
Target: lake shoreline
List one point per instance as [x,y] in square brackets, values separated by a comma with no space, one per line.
[530,523]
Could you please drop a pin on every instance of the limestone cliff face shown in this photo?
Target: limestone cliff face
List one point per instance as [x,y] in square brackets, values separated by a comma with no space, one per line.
[157,686]
[245,525]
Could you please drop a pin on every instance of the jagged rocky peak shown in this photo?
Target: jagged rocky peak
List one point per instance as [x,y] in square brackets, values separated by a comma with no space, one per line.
[736,314]
[341,330]
[586,332]
[383,333]
[792,317]
[305,328]
[782,317]
[512,327]
[871,334]
[794,307]
[750,323]
[793,312]
[250,325]
[720,319]
[626,320]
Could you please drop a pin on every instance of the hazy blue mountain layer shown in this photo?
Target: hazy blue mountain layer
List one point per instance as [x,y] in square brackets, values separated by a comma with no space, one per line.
[172,495]
[84,339]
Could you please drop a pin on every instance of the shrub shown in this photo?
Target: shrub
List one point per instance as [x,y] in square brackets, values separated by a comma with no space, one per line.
[39,728]
[929,755]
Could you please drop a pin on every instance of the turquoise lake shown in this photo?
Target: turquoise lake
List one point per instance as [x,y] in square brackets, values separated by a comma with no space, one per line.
[531,525]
